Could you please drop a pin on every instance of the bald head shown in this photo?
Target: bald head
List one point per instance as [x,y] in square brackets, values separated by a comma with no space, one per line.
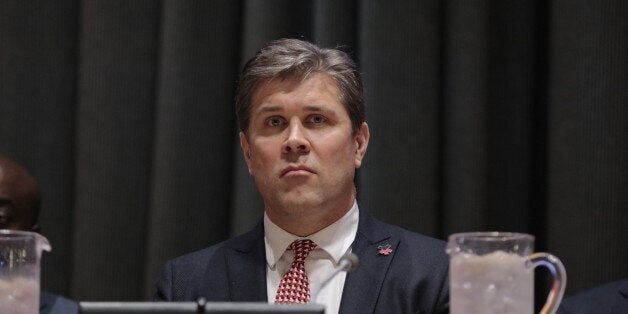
[20,199]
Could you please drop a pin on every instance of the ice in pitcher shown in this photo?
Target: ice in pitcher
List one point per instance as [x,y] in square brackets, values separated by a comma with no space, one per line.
[19,295]
[498,282]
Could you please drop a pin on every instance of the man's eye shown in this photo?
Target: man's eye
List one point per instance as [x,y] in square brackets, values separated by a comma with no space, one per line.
[5,216]
[275,121]
[316,119]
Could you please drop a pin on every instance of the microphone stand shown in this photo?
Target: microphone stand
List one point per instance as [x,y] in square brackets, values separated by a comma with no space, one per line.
[347,263]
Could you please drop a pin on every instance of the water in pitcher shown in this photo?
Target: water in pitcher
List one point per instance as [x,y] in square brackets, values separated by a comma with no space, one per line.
[19,294]
[497,282]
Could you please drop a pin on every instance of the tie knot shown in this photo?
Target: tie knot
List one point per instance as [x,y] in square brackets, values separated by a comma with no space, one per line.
[301,249]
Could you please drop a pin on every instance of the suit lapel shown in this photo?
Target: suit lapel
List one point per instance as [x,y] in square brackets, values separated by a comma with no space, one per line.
[246,267]
[363,285]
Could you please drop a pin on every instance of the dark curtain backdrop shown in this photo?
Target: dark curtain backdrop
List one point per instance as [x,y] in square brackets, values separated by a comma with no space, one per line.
[484,115]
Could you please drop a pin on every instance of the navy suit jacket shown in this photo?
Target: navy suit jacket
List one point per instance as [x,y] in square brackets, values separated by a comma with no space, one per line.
[610,298]
[54,304]
[413,278]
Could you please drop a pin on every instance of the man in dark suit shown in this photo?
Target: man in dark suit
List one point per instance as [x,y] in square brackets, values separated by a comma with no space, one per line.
[303,134]
[611,298]
[19,210]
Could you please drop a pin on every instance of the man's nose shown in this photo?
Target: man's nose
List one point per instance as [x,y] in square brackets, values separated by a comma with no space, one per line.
[297,141]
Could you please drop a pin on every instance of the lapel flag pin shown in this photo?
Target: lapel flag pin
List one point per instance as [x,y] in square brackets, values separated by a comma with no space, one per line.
[384,249]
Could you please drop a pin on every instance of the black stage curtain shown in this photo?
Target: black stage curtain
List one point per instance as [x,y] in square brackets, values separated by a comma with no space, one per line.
[485,115]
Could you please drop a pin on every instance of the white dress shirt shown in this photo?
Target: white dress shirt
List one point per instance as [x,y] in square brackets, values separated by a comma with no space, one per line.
[332,243]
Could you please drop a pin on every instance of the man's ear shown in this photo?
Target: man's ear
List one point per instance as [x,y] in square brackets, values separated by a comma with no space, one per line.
[246,151]
[361,137]
[36,228]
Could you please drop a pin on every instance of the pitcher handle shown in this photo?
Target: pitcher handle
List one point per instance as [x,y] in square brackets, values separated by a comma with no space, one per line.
[557,269]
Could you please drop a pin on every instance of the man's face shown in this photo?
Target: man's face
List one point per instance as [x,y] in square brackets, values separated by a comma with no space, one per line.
[14,214]
[301,150]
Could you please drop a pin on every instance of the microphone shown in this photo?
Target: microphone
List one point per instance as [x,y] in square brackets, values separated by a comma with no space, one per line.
[347,263]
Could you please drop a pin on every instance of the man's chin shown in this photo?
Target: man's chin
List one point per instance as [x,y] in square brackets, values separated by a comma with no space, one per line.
[298,200]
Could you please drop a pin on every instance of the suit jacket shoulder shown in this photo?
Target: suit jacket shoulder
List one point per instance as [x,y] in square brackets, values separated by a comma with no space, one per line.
[54,304]
[233,270]
[608,298]
[400,271]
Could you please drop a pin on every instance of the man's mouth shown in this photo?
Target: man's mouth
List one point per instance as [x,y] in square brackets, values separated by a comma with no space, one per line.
[296,171]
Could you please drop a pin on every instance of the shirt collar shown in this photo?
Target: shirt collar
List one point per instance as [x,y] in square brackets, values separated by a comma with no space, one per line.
[335,239]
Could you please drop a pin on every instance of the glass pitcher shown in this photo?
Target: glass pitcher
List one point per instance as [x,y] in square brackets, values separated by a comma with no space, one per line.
[20,254]
[493,272]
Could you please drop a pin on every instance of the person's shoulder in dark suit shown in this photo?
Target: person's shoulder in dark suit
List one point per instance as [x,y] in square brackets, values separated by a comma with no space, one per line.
[55,304]
[202,272]
[419,271]
[608,298]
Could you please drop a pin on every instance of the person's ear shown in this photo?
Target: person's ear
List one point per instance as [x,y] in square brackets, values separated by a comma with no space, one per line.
[361,137]
[246,151]
[36,228]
